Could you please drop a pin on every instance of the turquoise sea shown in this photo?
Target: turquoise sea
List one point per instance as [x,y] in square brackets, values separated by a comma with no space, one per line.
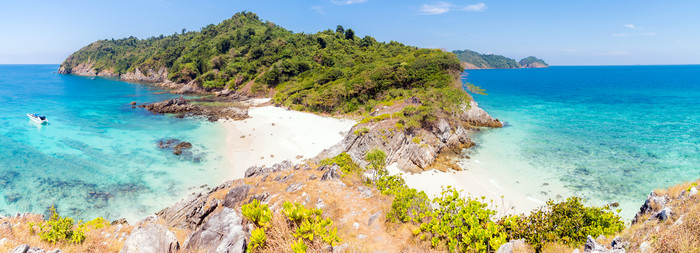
[97,156]
[604,133]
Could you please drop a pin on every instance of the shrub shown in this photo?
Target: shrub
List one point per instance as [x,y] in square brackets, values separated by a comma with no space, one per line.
[309,224]
[257,213]
[299,246]
[58,229]
[361,131]
[409,205]
[462,224]
[347,166]
[377,159]
[257,239]
[567,222]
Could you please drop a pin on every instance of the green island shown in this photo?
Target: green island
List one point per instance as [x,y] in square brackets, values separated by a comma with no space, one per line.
[474,60]
[412,109]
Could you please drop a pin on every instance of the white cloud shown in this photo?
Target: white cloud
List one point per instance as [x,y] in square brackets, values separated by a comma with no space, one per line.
[444,7]
[346,2]
[318,9]
[630,26]
[476,7]
[619,34]
[433,9]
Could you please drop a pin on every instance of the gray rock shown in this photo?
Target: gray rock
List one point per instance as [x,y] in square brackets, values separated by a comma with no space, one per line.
[373,218]
[36,250]
[442,130]
[365,192]
[664,214]
[222,232]
[55,251]
[509,247]
[693,191]
[652,200]
[320,204]
[188,213]
[593,247]
[151,238]
[645,247]
[262,197]
[235,195]
[619,243]
[478,117]
[361,237]
[294,187]
[333,172]
[20,249]
[313,177]
[262,170]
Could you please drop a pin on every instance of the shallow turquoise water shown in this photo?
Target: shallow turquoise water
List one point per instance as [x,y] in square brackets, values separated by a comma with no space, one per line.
[608,134]
[97,156]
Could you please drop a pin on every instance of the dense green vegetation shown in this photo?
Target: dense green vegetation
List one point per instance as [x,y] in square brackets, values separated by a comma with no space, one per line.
[329,71]
[486,61]
[532,60]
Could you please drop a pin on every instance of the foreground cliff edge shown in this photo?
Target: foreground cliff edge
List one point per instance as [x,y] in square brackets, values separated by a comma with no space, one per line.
[412,113]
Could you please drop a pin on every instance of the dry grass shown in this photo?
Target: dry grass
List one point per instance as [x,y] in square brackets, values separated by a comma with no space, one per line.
[97,240]
[671,235]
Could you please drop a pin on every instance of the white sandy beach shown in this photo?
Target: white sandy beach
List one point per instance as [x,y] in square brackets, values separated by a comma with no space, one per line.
[505,200]
[275,134]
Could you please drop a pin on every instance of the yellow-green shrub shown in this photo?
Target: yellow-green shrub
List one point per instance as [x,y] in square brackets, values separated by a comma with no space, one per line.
[257,239]
[59,229]
[568,222]
[309,223]
[259,214]
[347,166]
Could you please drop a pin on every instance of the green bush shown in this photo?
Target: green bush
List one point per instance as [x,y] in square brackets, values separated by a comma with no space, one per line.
[409,205]
[377,159]
[309,224]
[259,214]
[462,224]
[347,165]
[257,239]
[299,246]
[59,229]
[568,222]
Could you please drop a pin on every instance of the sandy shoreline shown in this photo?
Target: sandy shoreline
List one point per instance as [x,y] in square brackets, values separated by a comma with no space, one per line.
[274,134]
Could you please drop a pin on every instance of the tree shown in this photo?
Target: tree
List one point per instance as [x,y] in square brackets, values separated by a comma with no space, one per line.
[339,29]
[184,30]
[349,34]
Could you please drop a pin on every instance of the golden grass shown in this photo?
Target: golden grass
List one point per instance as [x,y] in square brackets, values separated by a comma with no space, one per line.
[95,241]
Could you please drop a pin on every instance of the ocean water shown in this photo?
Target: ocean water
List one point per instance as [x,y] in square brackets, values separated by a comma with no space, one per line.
[605,133]
[97,156]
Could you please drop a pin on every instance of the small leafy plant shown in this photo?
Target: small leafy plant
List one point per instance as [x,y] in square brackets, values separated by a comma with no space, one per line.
[309,224]
[59,229]
[257,239]
[259,214]
[347,165]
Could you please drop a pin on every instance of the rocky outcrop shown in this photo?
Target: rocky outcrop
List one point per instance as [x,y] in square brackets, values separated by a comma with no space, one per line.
[222,232]
[87,69]
[177,146]
[653,205]
[512,246]
[183,108]
[150,76]
[478,117]
[151,237]
[263,170]
[591,246]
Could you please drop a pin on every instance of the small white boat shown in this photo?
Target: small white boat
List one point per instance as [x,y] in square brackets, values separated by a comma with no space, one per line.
[38,118]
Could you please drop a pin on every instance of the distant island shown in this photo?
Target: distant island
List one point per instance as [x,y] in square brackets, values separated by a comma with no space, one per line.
[474,60]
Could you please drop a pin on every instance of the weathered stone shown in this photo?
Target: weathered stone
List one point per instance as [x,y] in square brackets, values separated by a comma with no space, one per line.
[645,247]
[332,173]
[222,232]
[649,204]
[236,195]
[664,214]
[20,249]
[365,192]
[510,247]
[151,237]
[262,170]
[121,221]
[294,187]
[36,250]
[188,213]
[478,117]
[619,243]
[373,218]
[593,247]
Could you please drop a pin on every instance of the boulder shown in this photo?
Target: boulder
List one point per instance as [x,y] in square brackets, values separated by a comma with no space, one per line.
[650,203]
[478,117]
[511,246]
[333,172]
[592,246]
[255,171]
[151,238]
[664,214]
[20,249]
[188,213]
[222,232]
[235,195]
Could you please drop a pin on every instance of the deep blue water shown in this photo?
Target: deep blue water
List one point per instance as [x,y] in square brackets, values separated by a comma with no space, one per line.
[606,133]
[97,156]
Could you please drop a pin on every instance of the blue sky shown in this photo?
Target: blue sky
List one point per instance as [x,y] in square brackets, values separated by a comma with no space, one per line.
[594,32]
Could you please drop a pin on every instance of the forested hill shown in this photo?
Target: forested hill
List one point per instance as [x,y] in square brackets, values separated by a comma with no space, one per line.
[474,60]
[329,71]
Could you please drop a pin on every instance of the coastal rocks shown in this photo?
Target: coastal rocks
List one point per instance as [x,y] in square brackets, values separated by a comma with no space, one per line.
[183,108]
[652,205]
[478,117]
[151,238]
[150,76]
[255,171]
[236,195]
[188,213]
[86,69]
[592,246]
[222,232]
